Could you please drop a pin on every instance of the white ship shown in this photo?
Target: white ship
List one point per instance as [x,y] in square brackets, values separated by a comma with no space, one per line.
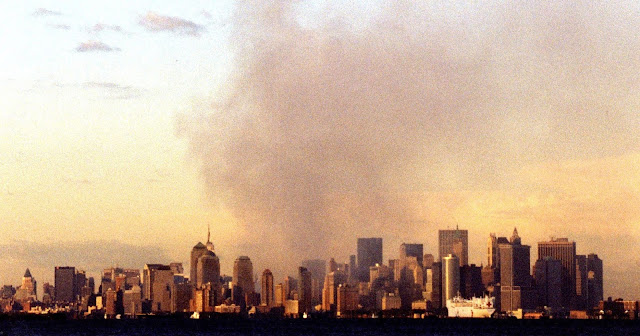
[475,307]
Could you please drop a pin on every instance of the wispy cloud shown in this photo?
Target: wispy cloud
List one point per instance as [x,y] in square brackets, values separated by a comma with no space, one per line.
[45,12]
[95,46]
[59,26]
[156,22]
[114,90]
[100,27]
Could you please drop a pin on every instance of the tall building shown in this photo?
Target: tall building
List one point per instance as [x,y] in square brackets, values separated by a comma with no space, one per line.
[208,269]
[515,275]
[198,250]
[65,284]
[454,242]
[471,281]
[279,295]
[329,291]
[304,290]
[27,291]
[266,297]
[369,254]
[160,284]
[412,250]
[493,252]
[594,280]
[580,298]
[548,276]
[242,278]
[450,277]
[564,250]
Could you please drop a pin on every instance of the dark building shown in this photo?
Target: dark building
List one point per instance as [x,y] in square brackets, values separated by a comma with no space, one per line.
[454,242]
[580,298]
[65,284]
[198,250]
[436,285]
[548,278]
[369,254]
[471,281]
[412,250]
[594,280]
[565,251]
[304,290]
[515,275]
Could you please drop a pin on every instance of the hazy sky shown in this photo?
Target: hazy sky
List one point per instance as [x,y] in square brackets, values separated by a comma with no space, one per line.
[295,127]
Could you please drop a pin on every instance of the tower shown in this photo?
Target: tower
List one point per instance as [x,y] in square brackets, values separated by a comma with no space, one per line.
[450,277]
[267,299]
[242,281]
[515,275]
[369,254]
[65,284]
[565,251]
[454,242]
[594,280]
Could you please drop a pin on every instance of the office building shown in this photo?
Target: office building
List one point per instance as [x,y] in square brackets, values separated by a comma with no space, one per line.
[304,290]
[267,289]
[564,250]
[411,250]
[242,279]
[455,242]
[65,284]
[198,250]
[548,278]
[347,300]
[369,254]
[594,280]
[516,291]
[581,293]
[450,277]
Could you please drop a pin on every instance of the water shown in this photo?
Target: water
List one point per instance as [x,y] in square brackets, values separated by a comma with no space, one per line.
[436,327]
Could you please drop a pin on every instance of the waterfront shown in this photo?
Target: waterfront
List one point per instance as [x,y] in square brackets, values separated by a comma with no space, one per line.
[169,326]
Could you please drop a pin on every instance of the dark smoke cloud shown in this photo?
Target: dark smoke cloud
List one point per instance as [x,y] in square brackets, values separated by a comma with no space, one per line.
[335,120]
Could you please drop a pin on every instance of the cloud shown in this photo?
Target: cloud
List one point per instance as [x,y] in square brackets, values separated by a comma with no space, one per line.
[90,46]
[45,12]
[156,22]
[114,90]
[59,26]
[99,27]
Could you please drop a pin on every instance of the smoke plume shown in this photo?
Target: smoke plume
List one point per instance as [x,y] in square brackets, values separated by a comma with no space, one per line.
[396,120]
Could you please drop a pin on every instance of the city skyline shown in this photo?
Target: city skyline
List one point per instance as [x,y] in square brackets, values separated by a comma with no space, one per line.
[127,128]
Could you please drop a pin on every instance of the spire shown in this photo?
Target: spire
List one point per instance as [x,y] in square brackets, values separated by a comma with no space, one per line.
[209,243]
[27,274]
[515,238]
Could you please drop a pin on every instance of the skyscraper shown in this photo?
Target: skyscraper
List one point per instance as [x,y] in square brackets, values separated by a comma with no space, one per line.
[65,284]
[304,290]
[242,278]
[580,298]
[267,295]
[411,250]
[515,275]
[548,276]
[450,277]
[565,251]
[198,250]
[454,242]
[369,254]
[208,270]
[594,280]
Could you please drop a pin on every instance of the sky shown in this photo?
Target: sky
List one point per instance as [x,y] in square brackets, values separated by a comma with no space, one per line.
[294,127]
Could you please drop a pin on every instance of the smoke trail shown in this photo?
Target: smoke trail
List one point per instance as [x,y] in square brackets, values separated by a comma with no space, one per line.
[337,122]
